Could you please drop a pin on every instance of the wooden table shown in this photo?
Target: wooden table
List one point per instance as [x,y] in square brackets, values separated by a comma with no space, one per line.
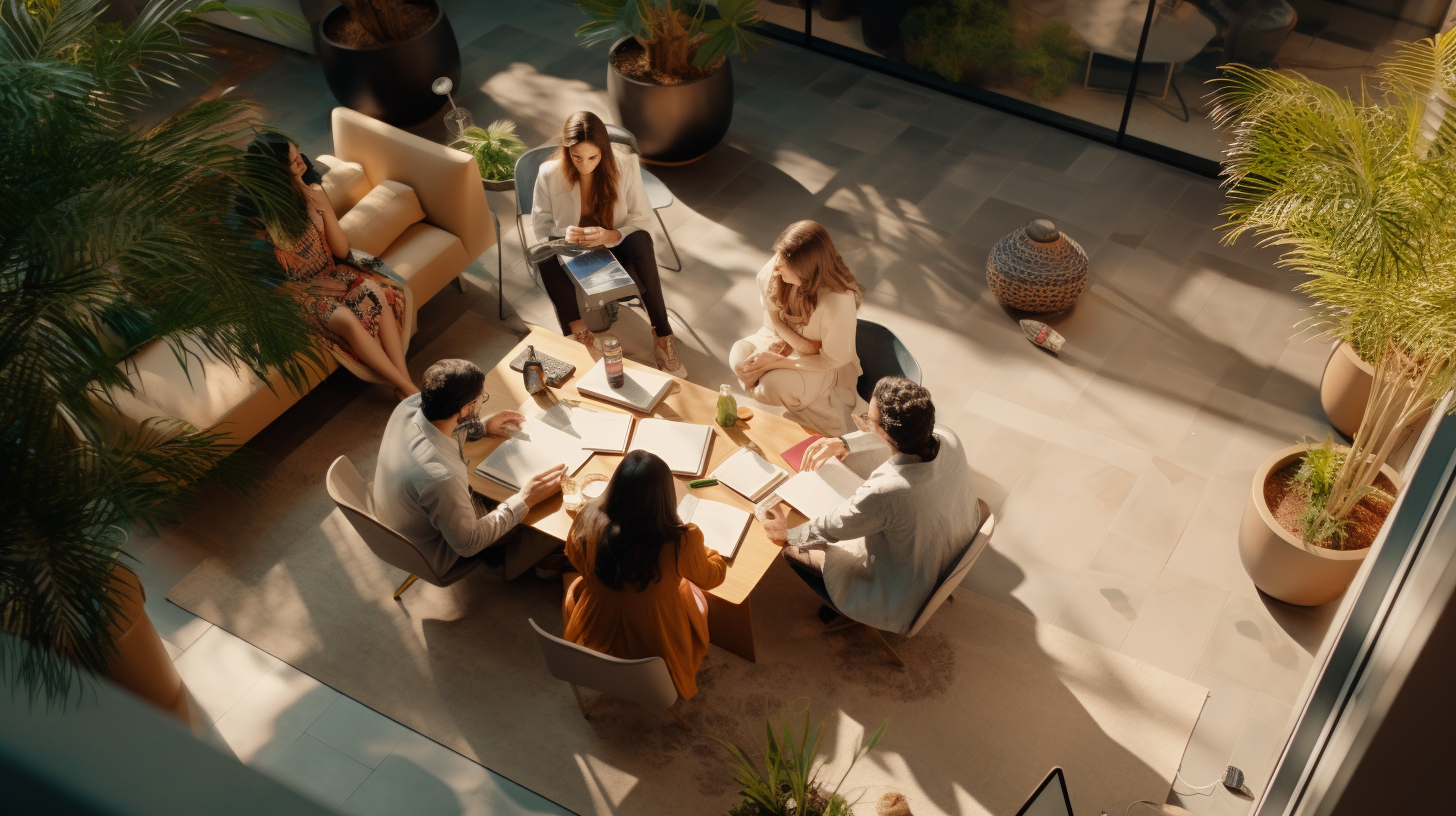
[730,612]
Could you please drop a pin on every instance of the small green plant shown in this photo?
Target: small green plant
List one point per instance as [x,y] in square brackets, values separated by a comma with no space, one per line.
[788,784]
[957,37]
[495,148]
[1054,60]
[1317,476]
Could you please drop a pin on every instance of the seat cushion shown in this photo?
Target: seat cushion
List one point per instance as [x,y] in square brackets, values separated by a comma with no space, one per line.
[343,182]
[217,396]
[427,257]
[381,217]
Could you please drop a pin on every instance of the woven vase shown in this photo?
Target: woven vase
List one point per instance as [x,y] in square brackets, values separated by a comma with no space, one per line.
[1037,269]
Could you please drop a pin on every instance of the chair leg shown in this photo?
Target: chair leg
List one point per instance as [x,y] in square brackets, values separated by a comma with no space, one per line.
[672,709]
[580,703]
[881,638]
[670,245]
[500,271]
[460,283]
[405,585]
[842,624]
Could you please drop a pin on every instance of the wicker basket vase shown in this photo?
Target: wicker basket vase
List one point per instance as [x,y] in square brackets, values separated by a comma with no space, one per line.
[1037,269]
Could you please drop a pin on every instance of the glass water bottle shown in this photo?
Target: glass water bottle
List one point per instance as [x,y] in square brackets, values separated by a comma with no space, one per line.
[727,408]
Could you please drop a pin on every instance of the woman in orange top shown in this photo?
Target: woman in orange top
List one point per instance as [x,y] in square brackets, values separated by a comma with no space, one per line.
[643,573]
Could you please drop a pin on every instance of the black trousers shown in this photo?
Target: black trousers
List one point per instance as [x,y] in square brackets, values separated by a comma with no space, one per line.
[813,578]
[636,255]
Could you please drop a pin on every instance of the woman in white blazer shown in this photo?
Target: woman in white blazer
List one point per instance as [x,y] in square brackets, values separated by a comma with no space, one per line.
[593,196]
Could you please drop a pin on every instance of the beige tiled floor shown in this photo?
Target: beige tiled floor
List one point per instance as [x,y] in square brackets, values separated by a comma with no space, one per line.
[1117,469]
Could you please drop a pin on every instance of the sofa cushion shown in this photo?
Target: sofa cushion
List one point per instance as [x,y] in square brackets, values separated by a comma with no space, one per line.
[381,217]
[427,257]
[343,182]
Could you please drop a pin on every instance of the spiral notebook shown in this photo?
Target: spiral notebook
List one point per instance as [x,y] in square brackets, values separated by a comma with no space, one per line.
[723,525]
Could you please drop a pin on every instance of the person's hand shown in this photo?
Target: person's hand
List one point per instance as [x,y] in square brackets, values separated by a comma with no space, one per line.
[498,422]
[780,347]
[543,485]
[577,235]
[822,451]
[759,364]
[776,523]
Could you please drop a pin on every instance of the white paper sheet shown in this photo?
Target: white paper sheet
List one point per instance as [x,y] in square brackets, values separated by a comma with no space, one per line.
[723,525]
[819,492]
[601,431]
[682,445]
[535,447]
[749,474]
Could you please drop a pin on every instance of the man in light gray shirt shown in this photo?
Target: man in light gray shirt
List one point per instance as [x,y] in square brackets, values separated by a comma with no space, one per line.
[421,484]
[877,557]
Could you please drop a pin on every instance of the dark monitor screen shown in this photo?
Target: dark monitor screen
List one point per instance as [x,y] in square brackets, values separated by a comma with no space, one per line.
[1050,798]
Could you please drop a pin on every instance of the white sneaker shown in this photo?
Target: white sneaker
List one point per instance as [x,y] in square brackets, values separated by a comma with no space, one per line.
[667,359]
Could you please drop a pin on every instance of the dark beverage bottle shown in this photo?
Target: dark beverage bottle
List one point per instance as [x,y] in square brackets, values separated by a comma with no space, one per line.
[612,355]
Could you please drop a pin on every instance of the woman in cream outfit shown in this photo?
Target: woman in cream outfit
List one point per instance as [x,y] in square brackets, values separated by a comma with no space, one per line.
[803,357]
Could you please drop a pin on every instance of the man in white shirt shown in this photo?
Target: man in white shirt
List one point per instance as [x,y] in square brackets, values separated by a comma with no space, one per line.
[877,557]
[421,483]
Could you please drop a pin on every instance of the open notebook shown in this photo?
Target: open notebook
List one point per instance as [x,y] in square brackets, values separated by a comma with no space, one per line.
[534,447]
[750,474]
[723,525]
[682,445]
[816,493]
[642,390]
[601,431]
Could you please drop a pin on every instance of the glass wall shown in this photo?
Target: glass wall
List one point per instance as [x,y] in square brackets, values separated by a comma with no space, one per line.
[1078,62]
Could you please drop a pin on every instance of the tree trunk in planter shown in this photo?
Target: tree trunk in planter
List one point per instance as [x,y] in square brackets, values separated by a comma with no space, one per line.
[392,82]
[674,124]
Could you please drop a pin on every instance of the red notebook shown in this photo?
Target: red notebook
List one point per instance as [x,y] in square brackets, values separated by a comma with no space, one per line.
[794,457]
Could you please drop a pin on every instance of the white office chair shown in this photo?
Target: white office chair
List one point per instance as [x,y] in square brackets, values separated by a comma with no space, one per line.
[943,589]
[349,491]
[645,682]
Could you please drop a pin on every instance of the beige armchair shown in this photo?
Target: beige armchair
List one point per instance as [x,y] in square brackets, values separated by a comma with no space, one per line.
[429,231]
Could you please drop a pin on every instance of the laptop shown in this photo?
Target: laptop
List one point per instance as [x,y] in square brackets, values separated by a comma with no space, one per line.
[1050,798]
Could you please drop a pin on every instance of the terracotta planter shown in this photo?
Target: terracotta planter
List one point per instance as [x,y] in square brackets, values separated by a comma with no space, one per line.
[1344,389]
[1278,562]
[674,124]
[141,664]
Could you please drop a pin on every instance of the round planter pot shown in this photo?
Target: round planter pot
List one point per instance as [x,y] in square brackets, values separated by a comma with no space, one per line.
[674,124]
[141,664]
[836,10]
[879,23]
[392,82]
[1278,562]
[1344,389]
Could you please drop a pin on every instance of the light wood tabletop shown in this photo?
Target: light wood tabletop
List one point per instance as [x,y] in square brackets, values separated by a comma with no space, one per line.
[730,619]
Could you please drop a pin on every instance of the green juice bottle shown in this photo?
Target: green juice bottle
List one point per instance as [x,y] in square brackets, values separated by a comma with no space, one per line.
[727,408]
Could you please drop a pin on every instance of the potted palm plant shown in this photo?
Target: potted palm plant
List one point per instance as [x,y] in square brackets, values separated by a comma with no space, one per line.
[788,784]
[495,148]
[668,76]
[112,238]
[380,57]
[1360,193]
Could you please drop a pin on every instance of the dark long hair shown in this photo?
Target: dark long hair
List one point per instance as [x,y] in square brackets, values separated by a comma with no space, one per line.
[632,521]
[585,126]
[268,154]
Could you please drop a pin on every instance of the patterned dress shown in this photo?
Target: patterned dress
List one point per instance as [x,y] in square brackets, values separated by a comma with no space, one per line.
[310,259]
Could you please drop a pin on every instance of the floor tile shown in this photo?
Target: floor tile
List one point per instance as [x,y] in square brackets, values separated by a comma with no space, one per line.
[1021,582]
[1208,548]
[318,771]
[423,778]
[1102,607]
[1129,559]
[1175,623]
[219,668]
[1160,505]
[359,732]
[1217,732]
[1249,647]
[266,720]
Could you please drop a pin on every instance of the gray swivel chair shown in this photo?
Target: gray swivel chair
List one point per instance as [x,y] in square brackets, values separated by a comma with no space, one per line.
[881,354]
[645,682]
[943,588]
[658,196]
[353,496]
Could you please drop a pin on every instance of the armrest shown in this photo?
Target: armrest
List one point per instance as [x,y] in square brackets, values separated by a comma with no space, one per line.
[447,181]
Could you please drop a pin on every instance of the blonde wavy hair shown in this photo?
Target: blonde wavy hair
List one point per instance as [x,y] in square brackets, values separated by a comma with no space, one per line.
[807,249]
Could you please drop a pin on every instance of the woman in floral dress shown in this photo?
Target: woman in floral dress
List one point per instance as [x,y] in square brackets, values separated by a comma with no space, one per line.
[358,311]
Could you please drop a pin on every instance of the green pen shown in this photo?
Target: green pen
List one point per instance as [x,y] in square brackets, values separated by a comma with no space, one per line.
[702,483]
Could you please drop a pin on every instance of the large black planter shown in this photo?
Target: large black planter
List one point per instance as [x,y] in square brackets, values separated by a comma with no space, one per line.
[674,124]
[392,82]
[880,22]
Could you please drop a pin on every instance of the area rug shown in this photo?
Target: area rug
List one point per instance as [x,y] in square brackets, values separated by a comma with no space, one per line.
[990,698]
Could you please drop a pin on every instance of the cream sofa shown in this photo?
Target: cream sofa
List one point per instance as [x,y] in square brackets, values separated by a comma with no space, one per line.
[456,228]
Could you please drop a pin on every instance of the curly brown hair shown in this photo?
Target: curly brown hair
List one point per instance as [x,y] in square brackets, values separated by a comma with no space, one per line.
[908,416]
